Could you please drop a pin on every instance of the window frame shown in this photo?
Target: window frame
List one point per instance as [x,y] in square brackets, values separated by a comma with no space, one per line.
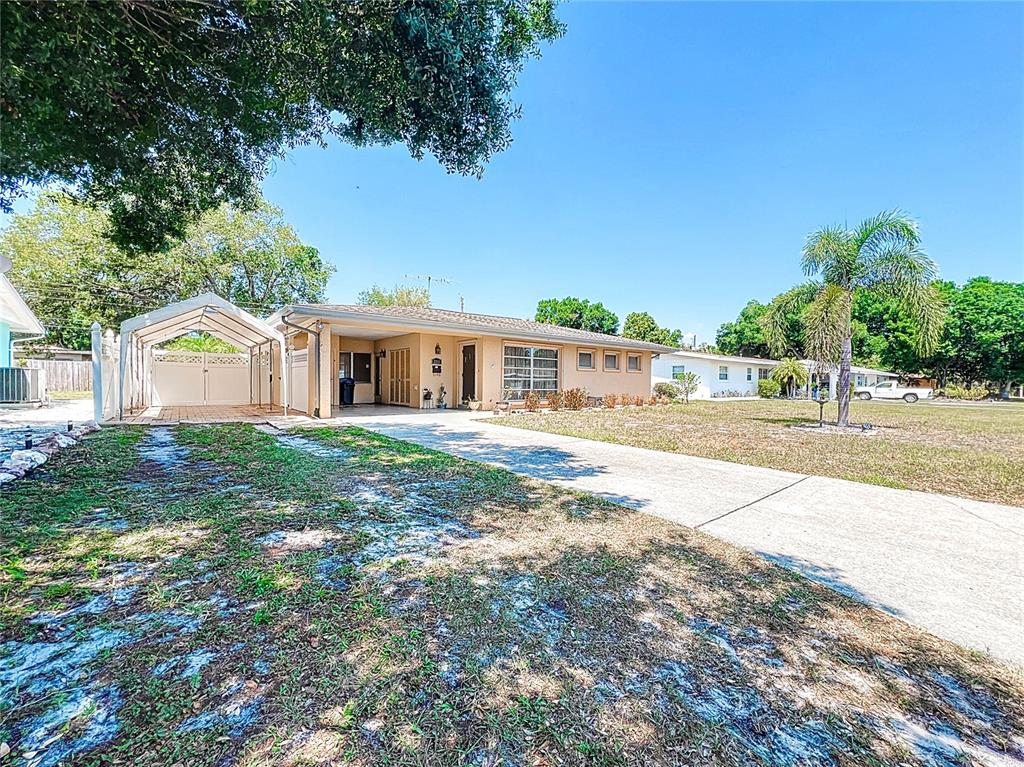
[763,374]
[639,362]
[723,372]
[351,356]
[593,358]
[750,374]
[529,345]
[604,361]
[674,374]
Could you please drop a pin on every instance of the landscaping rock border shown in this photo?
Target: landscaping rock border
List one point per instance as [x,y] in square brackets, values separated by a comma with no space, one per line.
[21,462]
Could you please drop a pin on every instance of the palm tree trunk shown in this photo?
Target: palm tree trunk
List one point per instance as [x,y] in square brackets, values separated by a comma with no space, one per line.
[843,394]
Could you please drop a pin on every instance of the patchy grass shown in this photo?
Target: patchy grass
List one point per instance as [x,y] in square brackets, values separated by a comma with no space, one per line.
[214,595]
[71,394]
[968,451]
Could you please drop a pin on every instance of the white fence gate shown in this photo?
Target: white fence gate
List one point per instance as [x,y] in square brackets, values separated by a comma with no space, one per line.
[298,379]
[199,378]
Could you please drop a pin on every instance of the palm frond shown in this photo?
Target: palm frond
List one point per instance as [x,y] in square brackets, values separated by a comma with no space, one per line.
[790,367]
[889,229]
[925,304]
[827,252]
[827,322]
[897,269]
[775,321]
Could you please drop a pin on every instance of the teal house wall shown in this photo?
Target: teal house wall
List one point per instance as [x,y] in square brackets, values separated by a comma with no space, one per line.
[6,359]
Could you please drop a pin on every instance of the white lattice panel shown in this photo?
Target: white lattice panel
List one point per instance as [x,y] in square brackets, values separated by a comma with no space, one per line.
[200,378]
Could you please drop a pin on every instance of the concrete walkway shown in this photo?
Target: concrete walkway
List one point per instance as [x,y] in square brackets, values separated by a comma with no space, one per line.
[952,566]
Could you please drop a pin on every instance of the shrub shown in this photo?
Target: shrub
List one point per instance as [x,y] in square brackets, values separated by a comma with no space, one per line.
[955,391]
[610,400]
[638,399]
[555,400]
[768,388]
[531,400]
[652,400]
[574,399]
[666,390]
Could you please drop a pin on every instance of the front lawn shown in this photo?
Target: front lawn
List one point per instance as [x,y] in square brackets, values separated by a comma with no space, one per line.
[973,451]
[220,596]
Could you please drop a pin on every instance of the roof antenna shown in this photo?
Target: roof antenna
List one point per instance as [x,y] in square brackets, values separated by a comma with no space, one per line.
[462,303]
[430,279]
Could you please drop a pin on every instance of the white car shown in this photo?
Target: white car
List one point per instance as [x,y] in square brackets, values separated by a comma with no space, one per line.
[889,390]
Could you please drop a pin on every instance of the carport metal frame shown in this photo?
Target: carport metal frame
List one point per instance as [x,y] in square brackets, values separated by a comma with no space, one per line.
[208,313]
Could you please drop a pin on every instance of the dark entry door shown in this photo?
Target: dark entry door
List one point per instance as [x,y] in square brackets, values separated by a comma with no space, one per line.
[469,372]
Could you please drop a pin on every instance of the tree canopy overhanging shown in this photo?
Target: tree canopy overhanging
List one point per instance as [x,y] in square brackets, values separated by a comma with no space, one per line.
[163,110]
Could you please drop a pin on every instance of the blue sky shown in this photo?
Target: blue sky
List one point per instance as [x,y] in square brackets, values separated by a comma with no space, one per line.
[672,157]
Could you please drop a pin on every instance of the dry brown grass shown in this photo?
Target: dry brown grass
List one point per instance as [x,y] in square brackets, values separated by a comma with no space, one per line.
[968,451]
[416,609]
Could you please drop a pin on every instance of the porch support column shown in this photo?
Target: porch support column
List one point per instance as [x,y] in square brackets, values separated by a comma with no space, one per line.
[327,373]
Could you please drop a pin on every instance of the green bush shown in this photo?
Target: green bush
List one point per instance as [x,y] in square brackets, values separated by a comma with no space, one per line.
[666,390]
[955,391]
[768,388]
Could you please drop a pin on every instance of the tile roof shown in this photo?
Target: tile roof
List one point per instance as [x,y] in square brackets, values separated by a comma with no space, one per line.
[485,323]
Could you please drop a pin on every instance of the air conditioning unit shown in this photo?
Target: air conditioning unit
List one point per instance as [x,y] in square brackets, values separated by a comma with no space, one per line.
[19,385]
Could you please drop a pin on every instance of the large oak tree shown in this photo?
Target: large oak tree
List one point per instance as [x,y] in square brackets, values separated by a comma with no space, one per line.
[162,110]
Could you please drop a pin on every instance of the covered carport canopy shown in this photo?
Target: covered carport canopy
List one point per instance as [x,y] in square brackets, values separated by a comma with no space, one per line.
[208,313]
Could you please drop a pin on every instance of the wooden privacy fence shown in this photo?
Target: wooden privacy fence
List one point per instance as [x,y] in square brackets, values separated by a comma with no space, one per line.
[64,375]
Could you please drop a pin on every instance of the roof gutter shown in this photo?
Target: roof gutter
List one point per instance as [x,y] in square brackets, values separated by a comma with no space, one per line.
[316,364]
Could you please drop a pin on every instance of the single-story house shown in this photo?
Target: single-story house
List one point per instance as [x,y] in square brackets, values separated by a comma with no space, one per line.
[58,353]
[297,359]
[17,322]
[720,375]
[405,355]
[728,376]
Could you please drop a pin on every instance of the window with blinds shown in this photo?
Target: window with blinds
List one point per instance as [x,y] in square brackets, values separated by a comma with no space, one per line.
[529,368]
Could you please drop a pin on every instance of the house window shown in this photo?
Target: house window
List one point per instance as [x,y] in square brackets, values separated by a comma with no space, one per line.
[762,374]
[585,359]
[611,361]
[633,363]
[723,373]
[677,372]
[354,365]
[750,374]
[529,368]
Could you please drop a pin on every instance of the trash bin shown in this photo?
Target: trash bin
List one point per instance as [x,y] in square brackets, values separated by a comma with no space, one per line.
[348,391]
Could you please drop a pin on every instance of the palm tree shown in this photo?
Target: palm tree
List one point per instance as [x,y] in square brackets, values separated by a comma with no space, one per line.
[882,254]
[790,373]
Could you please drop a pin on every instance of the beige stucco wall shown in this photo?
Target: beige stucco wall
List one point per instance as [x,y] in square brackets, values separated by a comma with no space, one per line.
[600,382]
[410,341]
[363,394]
[597,382]
[489,364]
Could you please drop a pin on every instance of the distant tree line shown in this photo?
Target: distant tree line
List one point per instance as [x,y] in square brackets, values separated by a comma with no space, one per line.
[982,337]
[72,274]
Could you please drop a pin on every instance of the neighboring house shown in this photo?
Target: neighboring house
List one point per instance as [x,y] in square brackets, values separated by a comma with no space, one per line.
[397,354]
[722,375]
[53,353]
[17,322]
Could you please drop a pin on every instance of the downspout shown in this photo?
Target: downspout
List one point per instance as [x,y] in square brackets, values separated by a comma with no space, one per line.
[316,366]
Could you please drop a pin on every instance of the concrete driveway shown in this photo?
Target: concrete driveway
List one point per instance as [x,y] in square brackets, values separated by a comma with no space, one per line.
[952,566]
